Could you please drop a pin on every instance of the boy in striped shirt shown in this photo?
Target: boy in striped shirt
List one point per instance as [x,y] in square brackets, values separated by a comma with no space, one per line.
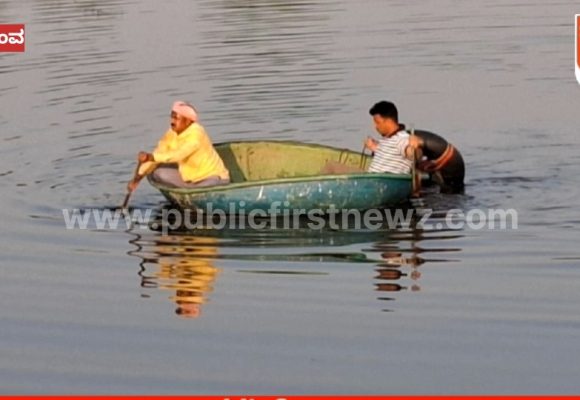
[394,152]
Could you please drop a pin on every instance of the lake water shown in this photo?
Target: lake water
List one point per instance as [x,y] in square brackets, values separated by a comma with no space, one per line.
[407,310]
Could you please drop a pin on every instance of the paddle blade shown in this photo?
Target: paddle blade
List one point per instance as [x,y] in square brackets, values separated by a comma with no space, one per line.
[134,182]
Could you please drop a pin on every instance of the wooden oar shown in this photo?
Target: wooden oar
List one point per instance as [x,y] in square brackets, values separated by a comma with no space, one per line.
[416,180]
[362,156]
[135,180]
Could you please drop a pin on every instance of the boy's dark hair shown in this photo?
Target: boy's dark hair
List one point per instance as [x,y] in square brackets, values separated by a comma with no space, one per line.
[385,109]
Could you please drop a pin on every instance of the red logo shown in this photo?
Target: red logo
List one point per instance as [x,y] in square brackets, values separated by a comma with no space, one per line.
[12,38]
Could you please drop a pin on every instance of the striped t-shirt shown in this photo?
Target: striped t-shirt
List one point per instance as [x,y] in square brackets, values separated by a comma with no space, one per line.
[390,155]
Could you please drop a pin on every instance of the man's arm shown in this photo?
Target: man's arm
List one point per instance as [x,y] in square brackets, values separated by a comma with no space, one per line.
[146,159]
[163,144]
[411,148]
[170,156]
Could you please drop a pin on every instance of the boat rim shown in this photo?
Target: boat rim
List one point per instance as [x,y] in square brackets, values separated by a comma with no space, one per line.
[267,182]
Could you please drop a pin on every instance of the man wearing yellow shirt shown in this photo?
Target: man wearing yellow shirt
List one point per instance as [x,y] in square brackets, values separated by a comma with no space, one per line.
[185,156]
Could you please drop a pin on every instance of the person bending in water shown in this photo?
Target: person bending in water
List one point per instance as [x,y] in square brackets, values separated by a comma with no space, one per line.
[394,152]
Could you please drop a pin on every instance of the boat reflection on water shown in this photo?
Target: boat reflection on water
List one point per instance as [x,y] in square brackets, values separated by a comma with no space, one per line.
[403,259]
[394,271]
[186,263]
[391,270]
[183,266]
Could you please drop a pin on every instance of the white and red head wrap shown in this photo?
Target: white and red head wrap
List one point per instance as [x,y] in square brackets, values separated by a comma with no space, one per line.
[185,110]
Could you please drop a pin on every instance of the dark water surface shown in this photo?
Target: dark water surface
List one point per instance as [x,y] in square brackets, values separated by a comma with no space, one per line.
[406,310]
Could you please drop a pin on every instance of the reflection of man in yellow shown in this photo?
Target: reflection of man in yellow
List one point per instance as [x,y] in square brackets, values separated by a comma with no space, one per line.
[186,266]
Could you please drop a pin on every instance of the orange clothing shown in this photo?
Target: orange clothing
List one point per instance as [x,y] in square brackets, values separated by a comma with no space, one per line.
[193,152]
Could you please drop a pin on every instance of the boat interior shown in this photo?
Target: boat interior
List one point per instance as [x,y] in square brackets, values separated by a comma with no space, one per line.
[264,160]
